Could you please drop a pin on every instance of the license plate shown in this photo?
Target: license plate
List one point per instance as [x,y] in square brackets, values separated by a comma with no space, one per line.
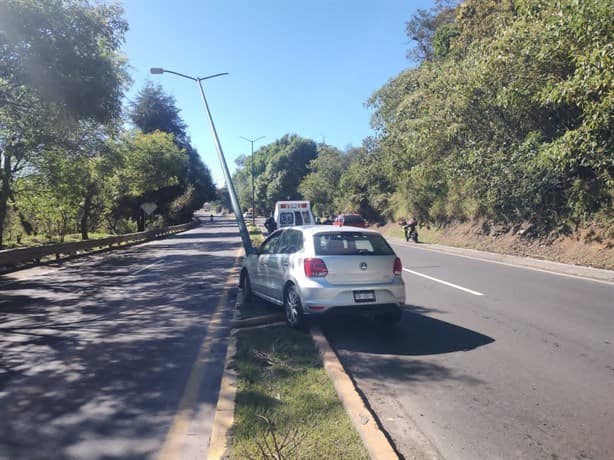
[364,296]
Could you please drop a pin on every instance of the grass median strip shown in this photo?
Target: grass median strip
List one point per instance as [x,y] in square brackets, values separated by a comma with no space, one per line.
[286,406]
[255,234]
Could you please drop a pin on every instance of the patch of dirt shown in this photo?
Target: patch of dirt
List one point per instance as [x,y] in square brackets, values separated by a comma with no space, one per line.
[592,246]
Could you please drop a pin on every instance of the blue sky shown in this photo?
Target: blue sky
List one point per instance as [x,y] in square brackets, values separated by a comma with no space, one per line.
[304,67]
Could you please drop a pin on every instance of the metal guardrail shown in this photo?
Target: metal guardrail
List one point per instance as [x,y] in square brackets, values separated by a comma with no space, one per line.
[14,257]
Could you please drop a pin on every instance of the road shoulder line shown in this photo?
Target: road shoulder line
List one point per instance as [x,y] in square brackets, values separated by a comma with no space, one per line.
[597,275]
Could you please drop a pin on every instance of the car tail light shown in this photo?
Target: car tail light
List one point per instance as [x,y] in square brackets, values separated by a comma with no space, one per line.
[398,267]
[315,268]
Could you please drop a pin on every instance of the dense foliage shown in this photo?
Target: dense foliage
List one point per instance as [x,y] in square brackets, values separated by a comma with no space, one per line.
[278,170]
[509,117]
[67,163]
[506,116]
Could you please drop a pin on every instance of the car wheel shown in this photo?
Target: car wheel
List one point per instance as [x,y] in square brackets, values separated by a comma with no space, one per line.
[390,319]
[246,288]
[293,307]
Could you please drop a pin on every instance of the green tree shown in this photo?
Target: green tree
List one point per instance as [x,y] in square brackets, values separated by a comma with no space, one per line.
[508,116]
[80,172]
[279,168]
[320,185]
[154,110]
[60,63]
[152,167]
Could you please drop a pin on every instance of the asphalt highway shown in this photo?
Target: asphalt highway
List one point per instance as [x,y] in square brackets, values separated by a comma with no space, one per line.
[489,362]
[118,355]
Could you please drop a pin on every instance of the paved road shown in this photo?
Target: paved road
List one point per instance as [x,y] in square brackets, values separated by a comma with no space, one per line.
[519,365]
[101,356]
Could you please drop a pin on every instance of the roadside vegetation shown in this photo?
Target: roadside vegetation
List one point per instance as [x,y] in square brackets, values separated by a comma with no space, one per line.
[70,165]
[255,234]
[502,120]
[286,406]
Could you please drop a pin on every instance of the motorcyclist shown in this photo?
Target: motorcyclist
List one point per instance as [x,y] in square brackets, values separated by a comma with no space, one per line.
[409,227]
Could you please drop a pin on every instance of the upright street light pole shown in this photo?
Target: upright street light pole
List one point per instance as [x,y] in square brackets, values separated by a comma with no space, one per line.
[252,162]
[247,243]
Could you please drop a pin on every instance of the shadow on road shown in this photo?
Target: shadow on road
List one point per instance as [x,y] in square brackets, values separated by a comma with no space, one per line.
[399,354]
[94,356]
[416,335]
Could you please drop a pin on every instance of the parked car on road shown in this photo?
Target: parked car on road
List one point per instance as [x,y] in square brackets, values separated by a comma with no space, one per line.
[319,270]
[350,220]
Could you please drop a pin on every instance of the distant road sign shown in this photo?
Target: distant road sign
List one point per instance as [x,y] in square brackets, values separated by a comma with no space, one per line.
[149,207]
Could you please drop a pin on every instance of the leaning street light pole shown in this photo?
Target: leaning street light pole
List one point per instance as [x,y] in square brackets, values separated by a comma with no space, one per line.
[252,162]
[247,242]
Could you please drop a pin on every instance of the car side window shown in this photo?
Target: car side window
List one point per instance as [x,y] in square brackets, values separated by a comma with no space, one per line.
[297,241]
[290,242]
[270,245]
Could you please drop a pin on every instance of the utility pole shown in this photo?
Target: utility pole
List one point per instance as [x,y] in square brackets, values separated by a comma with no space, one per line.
[247,242]
[251,141]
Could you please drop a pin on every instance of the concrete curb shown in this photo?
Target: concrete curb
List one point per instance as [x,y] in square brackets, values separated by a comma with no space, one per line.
[373,438]
[574,271]
[257,320]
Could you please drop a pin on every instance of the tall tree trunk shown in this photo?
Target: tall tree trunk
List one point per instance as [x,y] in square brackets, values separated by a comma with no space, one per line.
[141,221]
[87,204]
[5,188]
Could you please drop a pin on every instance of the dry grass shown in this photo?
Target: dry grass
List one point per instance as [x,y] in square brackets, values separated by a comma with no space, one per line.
[591,246]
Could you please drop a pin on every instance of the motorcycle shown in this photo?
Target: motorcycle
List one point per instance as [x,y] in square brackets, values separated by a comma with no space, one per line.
[410,231]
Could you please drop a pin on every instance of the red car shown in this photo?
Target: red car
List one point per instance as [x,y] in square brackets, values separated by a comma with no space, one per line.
[350,220]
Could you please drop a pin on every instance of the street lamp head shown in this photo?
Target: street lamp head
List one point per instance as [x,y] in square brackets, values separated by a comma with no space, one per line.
[156,70]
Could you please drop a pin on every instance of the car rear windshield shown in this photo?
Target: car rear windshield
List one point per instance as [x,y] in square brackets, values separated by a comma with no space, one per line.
[350,243]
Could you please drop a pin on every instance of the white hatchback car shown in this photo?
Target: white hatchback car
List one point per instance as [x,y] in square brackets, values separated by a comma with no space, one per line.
[323,269]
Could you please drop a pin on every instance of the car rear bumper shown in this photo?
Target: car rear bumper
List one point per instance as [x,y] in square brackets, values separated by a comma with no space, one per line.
[350,310]
[318,300]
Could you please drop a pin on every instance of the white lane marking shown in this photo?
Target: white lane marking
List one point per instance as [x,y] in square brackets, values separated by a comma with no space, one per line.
[508,264]
[147,266]
[456,286]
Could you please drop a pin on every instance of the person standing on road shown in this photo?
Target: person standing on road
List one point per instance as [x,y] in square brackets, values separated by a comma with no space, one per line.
[270,225]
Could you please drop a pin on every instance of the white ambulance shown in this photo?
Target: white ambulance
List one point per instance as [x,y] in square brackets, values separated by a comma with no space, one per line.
[292,213]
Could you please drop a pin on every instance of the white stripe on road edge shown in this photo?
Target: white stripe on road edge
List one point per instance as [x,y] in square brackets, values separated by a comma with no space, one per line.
[509,264]
[456,286]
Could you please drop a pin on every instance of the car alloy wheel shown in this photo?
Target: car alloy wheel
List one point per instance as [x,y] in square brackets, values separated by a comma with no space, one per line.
[293,307]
